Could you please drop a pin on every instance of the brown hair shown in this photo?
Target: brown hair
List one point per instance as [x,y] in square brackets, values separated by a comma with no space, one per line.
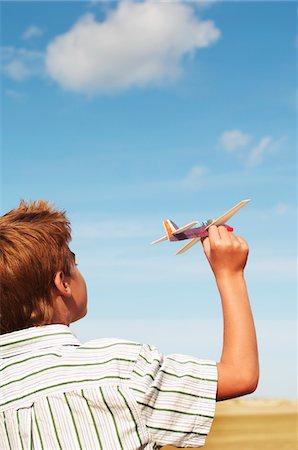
[33,246]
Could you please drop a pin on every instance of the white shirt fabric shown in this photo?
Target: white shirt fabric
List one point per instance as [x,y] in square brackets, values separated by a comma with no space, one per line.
[106,394]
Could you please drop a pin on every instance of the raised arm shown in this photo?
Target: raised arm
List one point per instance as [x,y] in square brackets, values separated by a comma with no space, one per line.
[238,369]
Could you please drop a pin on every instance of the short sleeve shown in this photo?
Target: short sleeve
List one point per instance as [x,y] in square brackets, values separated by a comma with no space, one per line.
[176,395]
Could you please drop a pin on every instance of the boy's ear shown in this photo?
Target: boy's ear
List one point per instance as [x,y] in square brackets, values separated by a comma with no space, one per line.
[62,284]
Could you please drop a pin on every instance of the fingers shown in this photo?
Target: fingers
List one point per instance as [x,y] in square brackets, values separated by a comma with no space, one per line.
[206,245]
[243,242]
[217,234]
[236,241]
[213,233]
[220,235]
[225,252]
[224,234]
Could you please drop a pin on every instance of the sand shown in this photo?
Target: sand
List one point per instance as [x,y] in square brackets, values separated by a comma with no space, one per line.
[253,424]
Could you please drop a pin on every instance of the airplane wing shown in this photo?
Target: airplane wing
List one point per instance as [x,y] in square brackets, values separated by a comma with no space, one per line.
[164,238]
[188,246]
[219,221]
[226,216]
[185,227]
[179,230]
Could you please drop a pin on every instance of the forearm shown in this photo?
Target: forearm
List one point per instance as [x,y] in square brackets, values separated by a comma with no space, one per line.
[239,341]
[238,369]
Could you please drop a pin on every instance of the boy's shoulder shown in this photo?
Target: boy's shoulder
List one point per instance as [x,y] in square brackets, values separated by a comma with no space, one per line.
[106,342]
[115,347]
[125,350]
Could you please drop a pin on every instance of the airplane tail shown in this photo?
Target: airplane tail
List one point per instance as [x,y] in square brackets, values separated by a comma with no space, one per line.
[169,227]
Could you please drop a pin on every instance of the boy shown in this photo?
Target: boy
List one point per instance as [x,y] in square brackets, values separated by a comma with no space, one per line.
[107,394]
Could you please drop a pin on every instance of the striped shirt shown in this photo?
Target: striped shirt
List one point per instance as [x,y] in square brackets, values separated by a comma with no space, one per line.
[106,394]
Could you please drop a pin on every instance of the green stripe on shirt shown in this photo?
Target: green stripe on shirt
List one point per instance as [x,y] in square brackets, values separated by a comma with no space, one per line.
[41,336]
[174,410]
[19,431]
[117,431]
[27,359]
[107,346]
[61,384]
[73,420]
[176,431]
[38,429]
[93,420]
[5,425]
[65,365]
[54,424]
[136,425]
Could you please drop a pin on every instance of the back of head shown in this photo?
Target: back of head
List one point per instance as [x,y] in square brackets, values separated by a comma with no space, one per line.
[33,246]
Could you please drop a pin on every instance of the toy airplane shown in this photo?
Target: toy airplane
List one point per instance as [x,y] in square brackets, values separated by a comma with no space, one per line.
[196,234]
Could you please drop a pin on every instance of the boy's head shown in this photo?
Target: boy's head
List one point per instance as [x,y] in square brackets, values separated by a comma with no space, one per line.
[39,281]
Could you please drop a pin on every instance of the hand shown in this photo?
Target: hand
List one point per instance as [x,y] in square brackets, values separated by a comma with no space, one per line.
[227,254]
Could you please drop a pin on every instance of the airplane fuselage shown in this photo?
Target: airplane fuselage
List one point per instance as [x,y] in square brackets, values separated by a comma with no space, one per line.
[190,234]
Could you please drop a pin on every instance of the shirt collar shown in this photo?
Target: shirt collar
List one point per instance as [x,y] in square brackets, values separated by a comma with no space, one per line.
[35,338]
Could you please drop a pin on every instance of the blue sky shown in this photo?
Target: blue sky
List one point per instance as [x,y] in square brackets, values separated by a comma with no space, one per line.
[125,114]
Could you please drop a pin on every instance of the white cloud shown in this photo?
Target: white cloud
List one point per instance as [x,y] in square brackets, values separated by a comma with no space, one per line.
[266,145]
[20,63]
[31,32]
[271,268]
[143,263]
[16,70]
[282,208]
[257,153]
[100,229]
[204,4]
[151,268]
[237,140]
[234,139]
[136,45]
[269,213]
[12,93]
[195,177]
